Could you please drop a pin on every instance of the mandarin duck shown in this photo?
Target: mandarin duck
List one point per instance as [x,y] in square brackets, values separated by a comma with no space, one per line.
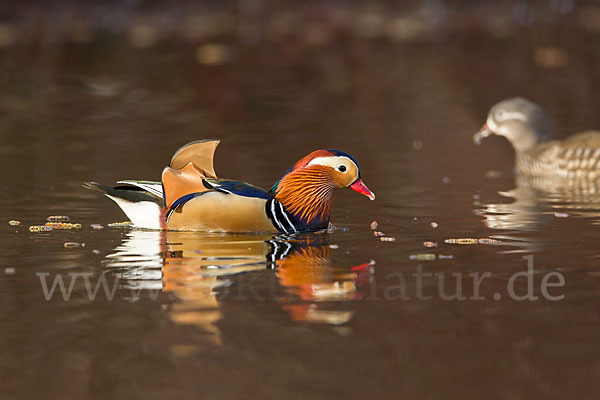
[527,128]
[190,197]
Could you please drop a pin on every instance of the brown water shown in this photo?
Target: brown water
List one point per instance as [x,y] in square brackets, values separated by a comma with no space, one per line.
[317,316]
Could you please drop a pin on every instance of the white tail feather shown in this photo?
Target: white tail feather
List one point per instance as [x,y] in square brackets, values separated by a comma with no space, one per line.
[143,214]
[154,188]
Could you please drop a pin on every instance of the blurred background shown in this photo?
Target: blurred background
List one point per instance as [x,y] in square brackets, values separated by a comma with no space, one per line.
[108,90]
[137,79]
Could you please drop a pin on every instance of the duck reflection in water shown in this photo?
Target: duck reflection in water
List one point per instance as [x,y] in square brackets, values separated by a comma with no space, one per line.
[198,269]
[537,200]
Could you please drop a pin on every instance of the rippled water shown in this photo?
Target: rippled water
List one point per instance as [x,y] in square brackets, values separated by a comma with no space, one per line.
[336,314]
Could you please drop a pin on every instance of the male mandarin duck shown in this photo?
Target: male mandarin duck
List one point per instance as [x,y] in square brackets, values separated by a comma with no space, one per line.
[527,128]
[192,198]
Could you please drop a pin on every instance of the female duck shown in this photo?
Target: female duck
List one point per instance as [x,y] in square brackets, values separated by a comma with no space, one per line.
[191,197]
[527,128]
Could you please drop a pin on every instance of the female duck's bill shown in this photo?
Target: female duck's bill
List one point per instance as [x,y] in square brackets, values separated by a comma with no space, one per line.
[483,132]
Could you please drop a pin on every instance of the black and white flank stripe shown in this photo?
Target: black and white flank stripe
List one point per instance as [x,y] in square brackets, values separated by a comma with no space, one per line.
[280,217]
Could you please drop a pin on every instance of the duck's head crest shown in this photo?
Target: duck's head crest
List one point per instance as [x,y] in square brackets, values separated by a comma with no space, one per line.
[306,189]
[334,168]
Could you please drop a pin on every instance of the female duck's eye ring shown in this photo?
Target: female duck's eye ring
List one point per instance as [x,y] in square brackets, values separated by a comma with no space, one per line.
[341,168]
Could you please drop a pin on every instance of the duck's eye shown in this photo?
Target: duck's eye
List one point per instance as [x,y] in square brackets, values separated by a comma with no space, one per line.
[341,168]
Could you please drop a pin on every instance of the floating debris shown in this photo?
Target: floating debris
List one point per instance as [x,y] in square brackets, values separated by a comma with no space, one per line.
[125,224]
[378,234]
[430,244]
[374,225]
[39,228]
[488,241]
[58,218]
[417,144]
[387,239]
[434,224]
[71,245]
[97,252]
[445,180]
[422,257]
[63,225]
[334,246]
[461,241]
[10,270]
[430,257]
[96,227]
[14,222]
[472,241]
[561,215]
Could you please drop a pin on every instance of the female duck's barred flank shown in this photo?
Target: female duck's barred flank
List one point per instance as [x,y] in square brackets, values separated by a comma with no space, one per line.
[554,160]
[527,128]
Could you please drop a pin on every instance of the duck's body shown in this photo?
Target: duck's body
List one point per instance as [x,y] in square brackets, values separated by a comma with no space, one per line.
[575,157]
[527,128]
[191,198]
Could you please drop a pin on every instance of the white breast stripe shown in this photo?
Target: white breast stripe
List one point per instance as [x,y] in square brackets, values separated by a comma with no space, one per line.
[286,217]
[279,225]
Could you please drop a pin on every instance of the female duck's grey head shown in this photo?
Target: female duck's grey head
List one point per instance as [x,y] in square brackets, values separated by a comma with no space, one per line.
[522,122]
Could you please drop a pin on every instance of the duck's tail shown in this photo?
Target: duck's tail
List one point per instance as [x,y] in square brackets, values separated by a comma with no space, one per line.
[141,201]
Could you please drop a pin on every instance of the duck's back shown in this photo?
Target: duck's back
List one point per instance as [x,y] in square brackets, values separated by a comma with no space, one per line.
[575,157]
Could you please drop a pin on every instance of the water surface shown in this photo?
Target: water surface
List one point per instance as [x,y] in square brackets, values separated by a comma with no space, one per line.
[331,315]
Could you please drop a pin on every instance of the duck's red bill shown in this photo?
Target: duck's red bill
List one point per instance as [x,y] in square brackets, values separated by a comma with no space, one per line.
[361,188]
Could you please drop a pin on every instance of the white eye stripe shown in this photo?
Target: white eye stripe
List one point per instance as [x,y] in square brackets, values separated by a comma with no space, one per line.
[504,115]
[332,162]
